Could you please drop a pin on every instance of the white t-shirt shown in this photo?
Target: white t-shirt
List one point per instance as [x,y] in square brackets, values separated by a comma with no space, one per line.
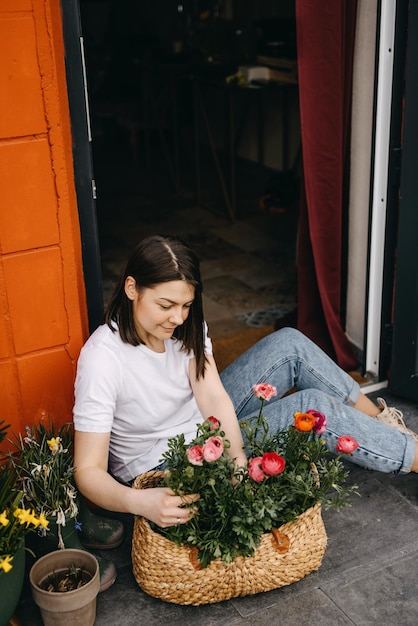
[141,397]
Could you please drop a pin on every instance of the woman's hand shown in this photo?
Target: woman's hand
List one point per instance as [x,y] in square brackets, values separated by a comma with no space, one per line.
[161,506]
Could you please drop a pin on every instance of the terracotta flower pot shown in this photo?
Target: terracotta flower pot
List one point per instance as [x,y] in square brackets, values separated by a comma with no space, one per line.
[71,607]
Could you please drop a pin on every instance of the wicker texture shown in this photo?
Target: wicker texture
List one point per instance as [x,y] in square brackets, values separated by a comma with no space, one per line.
[164,570]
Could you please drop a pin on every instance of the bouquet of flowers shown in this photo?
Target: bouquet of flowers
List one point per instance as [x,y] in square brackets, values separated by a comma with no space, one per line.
[287,473]
[15,522]
[43,464]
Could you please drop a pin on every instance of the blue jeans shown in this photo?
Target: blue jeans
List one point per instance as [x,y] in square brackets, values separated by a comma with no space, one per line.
[288,359]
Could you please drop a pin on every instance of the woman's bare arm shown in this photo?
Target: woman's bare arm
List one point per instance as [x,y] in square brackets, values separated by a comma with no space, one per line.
[159,505]
[212,399]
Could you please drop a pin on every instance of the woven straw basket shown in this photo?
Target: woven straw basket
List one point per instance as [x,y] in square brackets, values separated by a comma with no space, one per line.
[165,570]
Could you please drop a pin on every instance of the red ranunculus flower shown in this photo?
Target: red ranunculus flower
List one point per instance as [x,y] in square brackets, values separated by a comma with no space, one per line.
[272,463]
[214,422]
[255,470]
[346,444]
[264,391]
[195,455]
[213,448]
[320,421]
[304,422]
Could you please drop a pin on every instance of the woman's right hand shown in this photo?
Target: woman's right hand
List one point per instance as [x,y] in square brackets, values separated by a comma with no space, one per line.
[161,506]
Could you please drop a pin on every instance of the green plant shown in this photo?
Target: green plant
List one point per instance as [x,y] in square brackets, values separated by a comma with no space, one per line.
[15,522]
[66,580]
[287,473]
[44,468]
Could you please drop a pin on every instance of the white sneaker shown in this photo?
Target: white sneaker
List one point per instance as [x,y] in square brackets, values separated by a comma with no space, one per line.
[393,417]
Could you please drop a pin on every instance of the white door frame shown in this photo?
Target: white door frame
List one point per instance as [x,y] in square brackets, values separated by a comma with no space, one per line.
[380,186]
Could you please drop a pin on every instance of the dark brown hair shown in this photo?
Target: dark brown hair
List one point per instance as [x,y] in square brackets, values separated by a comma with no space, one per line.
[160,259]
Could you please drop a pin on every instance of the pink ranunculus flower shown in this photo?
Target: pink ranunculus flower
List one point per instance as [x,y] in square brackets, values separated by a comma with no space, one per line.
[320,421]
[214,422]
[272,463]
[264,391]
[346,444]
[255,471]
[195,455]
[213,448]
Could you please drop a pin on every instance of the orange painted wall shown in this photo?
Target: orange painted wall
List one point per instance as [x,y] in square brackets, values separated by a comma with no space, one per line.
[43,319]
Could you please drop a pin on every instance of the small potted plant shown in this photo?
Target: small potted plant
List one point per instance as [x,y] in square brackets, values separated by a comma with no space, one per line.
[64,585]
[43,468]
[43,464]
[15,523]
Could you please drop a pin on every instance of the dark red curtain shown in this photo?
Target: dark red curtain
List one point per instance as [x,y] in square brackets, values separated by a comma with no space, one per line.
[325,43]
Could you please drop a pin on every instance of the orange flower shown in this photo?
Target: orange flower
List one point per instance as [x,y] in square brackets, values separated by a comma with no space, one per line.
[304,422]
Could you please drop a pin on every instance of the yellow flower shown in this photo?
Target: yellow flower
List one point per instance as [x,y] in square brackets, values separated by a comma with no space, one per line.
[4,520]
[5,563]
[42,520]
[32,519]
[24,516]
[54,444]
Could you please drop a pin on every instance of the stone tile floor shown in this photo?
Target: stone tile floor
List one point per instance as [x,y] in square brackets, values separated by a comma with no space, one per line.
[369,571]
[248,266]
[242,279]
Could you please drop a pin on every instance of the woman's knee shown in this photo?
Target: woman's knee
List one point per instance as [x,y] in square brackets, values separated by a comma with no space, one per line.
[289,337]
[309,399]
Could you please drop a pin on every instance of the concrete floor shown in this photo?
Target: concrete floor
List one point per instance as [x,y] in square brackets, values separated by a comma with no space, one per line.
[368,574]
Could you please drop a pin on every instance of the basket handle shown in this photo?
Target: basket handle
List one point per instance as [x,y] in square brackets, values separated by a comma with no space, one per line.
[193,558]
[280,541]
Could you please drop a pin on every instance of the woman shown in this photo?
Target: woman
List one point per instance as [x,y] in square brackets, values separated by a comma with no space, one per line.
[148,374]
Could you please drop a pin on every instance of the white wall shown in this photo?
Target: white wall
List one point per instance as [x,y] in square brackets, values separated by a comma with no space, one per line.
[361,145]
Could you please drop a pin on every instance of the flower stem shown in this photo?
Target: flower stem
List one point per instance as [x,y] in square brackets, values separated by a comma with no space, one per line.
[259,420]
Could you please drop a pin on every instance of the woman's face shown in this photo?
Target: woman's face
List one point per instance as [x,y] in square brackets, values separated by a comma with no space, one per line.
[159,310]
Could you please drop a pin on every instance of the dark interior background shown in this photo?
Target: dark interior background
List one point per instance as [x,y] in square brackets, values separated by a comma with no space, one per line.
[144,140]
[127,42]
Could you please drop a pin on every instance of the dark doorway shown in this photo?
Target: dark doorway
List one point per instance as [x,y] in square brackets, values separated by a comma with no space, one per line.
[141,66]
[404,367]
